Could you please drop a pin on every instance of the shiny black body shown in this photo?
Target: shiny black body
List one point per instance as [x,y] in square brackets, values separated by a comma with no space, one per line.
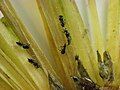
[77,57]
[26,46]
[19,43]
[33,62]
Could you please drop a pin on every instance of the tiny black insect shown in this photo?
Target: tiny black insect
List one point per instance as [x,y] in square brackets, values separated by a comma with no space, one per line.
[77,57]
[26,46]
[69,40]
[36,65]
[60,17]
[19,43]
[63,49]
[67,34]
[32,61]
[61,20]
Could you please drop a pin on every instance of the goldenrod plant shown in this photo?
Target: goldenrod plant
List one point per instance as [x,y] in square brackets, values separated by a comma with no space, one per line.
[59,44]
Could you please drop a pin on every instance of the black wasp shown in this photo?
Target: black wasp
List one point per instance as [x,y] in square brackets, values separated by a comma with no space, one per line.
[25,46]
[61,19]
[32,61]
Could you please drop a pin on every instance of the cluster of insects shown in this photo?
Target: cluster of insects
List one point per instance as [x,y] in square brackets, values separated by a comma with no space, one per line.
[83,82]
[105,66]
[27,46]
[66,32]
